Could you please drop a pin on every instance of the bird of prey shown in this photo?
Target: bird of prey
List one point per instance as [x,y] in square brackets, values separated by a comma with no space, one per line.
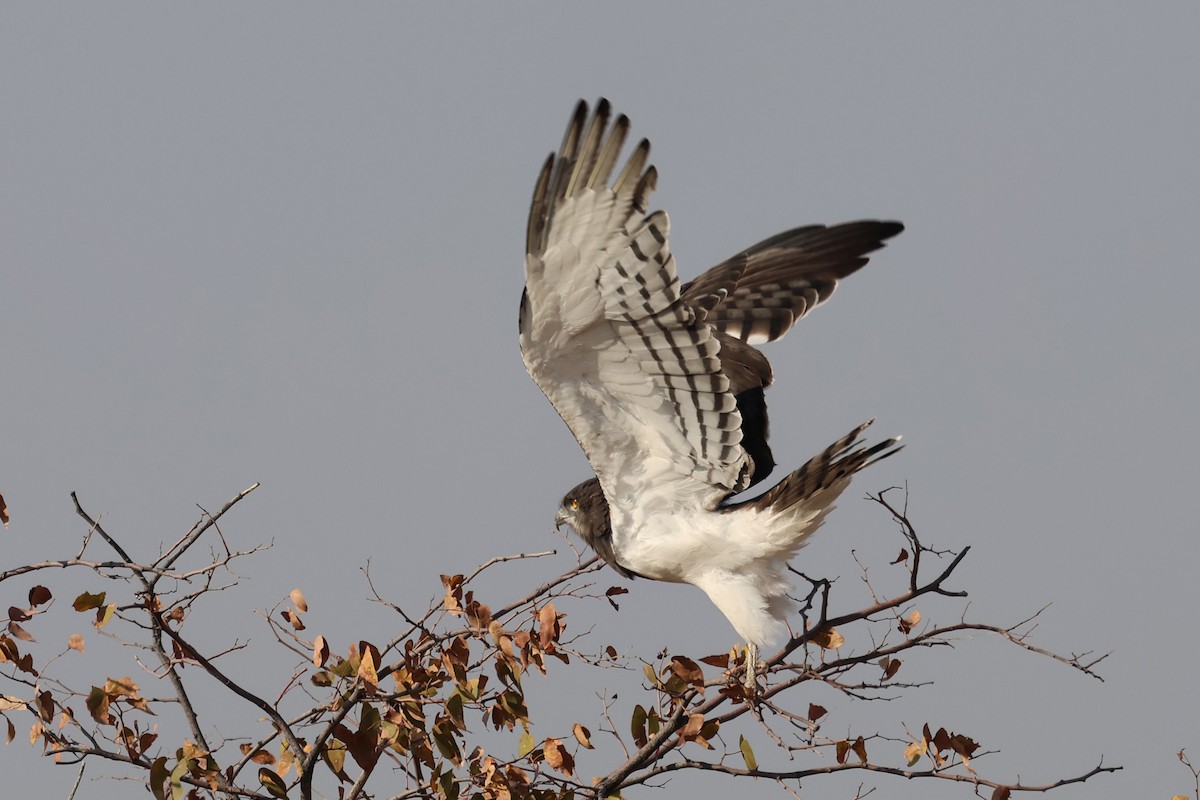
[662,387]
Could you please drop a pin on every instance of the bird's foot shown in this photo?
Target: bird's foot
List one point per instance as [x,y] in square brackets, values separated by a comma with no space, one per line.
[750,685]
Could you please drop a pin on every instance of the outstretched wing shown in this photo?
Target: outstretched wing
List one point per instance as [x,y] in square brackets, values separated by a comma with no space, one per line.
[633,370]
[760,293]
[757,296]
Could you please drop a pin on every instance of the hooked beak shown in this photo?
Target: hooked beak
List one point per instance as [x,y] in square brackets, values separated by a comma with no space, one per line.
[561,519]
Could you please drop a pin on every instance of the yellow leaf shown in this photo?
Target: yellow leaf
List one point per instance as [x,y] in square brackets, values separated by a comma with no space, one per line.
[104,615]
[747,753]
[526,745]
[912,753]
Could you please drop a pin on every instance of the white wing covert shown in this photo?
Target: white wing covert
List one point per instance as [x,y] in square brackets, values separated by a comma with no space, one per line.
[631,368]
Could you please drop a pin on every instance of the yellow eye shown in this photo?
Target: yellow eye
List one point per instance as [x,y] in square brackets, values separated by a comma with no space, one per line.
[574,504]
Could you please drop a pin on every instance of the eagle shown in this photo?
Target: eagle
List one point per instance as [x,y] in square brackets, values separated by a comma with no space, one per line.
[662,386]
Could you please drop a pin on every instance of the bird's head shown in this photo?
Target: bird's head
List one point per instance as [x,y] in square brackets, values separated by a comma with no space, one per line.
[585,509]
[573,510]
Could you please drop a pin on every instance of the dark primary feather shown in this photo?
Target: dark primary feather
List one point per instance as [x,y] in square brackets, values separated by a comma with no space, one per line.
[838,462]
[758,294]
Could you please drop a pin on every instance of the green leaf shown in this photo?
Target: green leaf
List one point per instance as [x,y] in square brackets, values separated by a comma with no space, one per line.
[158,777]
[526,745]
[182,768]
[747,753]
[272,782]
[87,601]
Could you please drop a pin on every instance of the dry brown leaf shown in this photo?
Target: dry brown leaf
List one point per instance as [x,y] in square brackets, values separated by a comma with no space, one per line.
[293,619]
[815,712]
[909,621]
[75,642]
[320,651]
[548,626]
[687,671]
[39,595]
[828,639]
[582,735]
[298,600]
[453,598]
[3,511]
[10,703]
[366,668]
[558,757]
[20,633]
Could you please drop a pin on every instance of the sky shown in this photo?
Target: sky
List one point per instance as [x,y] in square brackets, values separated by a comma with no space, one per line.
[283,243]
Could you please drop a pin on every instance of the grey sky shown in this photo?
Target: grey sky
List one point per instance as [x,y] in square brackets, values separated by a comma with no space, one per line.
[263,242]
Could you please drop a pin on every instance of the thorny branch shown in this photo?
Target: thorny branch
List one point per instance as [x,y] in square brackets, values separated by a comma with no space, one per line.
[442,668]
